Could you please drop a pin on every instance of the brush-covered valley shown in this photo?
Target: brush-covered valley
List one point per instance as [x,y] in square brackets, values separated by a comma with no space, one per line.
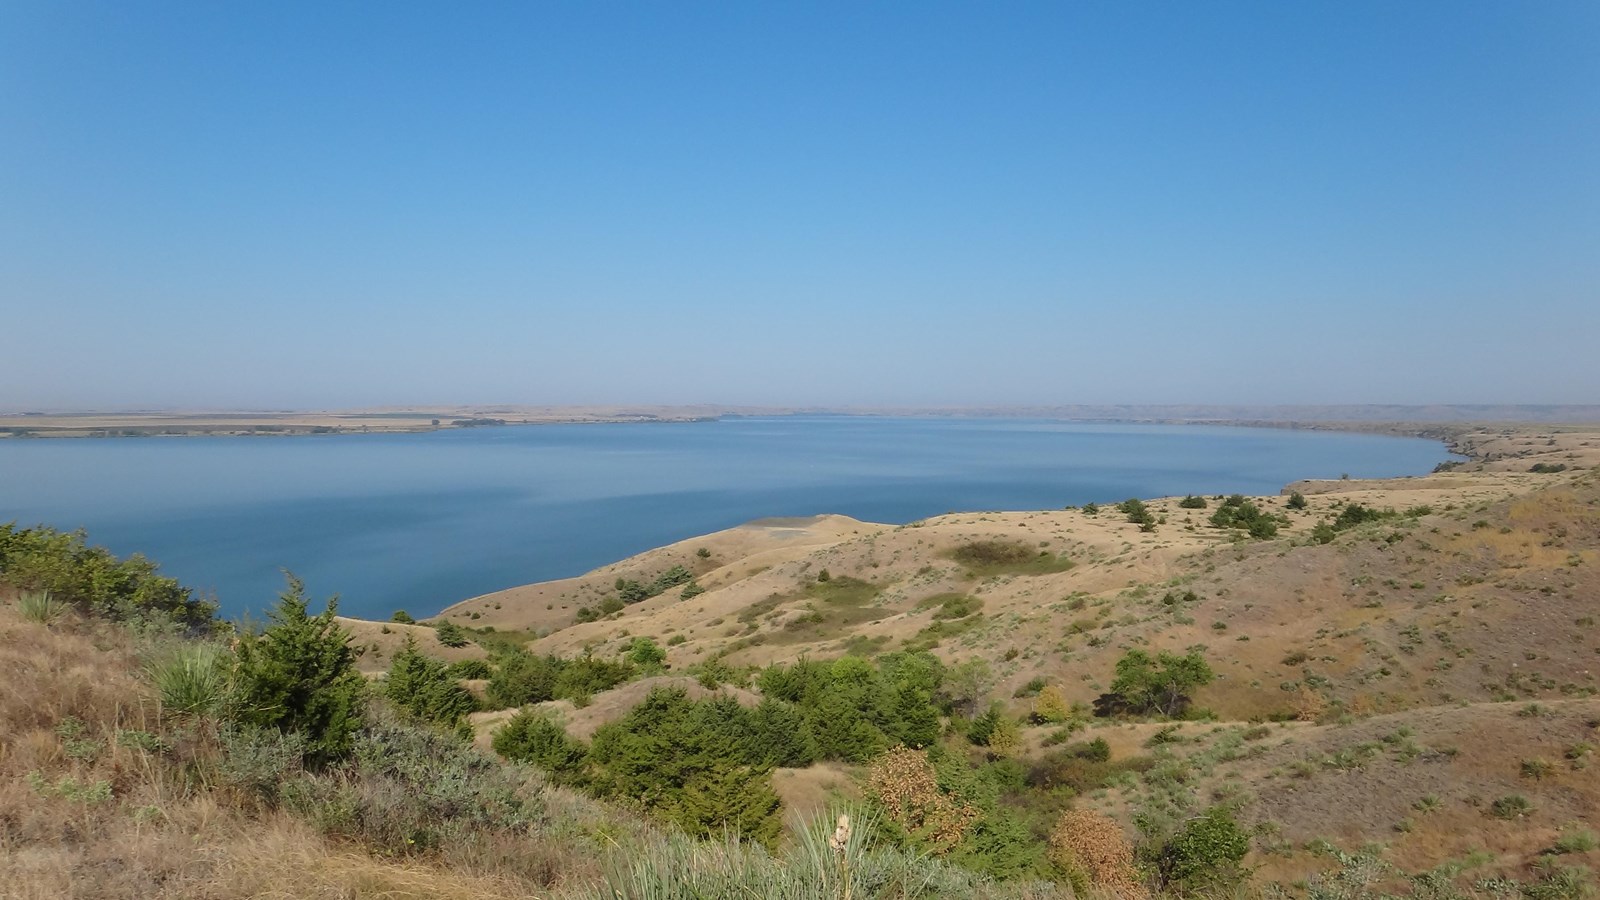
[1349,689]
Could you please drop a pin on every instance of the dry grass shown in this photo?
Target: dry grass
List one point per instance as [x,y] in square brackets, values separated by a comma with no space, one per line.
[1485,599]
[1445,625]
[102,798]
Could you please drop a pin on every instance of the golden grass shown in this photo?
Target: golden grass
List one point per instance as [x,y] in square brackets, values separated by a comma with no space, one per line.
[100,799]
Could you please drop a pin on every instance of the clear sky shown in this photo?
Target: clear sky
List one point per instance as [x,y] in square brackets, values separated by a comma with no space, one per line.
[337,204]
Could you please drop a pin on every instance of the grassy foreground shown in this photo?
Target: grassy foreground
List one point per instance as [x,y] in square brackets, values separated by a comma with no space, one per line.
[109,788]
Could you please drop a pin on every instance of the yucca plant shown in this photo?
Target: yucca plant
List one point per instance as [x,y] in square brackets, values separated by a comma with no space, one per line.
[192,680]
[829,859]
[40,607]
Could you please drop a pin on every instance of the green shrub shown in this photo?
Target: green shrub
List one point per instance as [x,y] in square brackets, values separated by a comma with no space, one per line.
[853,709]
[728,797]
[1237,512]
[587,676]
[95,581]
[1192,502]
[541,741]
[255,762]
[953,606]
[670,578]
[1355,514]
[1160,685]
[630,591]
[646,654]
[521,678]
[70,788]
[1136,511]
[420,685]
[1205,853]
[1032,688]
[403,617]
[299,677]
[471,669]
[450,634]
[983,727]
[1096,750]
[701,765]
[1297,500]
[414,791]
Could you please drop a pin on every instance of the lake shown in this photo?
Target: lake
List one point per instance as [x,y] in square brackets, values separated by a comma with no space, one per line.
[421,521]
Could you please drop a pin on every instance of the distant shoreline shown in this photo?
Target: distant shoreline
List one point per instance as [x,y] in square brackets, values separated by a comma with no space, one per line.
[1442,423]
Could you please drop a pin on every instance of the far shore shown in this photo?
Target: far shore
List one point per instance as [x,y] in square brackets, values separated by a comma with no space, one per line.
[1443,423]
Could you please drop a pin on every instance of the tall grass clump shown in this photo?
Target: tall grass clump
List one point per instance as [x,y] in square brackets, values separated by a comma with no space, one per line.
[829,859]
[192,680]
[40,607]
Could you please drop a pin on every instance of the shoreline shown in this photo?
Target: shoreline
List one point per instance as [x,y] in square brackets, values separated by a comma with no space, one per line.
[1449,425]
[1501,455]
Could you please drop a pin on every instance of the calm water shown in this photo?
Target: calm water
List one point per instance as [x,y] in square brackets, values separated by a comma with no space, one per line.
[423,520]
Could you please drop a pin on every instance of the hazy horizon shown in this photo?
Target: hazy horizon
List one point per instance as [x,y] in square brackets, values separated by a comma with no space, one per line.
[298,206]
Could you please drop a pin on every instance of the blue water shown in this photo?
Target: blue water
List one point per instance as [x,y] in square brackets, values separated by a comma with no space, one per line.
[421,521]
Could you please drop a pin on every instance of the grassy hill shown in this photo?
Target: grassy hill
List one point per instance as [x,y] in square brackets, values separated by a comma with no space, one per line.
[1402,696]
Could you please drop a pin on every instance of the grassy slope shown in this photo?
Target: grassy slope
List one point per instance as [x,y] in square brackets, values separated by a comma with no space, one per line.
[102,795]
[1438,681]
[1441,624]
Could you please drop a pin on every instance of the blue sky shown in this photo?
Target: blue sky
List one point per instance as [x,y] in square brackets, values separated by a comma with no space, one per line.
[312,205]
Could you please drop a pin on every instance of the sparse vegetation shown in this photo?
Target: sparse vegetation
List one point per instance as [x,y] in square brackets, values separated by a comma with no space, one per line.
[1353,637]
[1355,514]
[1238,513]
[1137,511]
[1511,806]
[985,558]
